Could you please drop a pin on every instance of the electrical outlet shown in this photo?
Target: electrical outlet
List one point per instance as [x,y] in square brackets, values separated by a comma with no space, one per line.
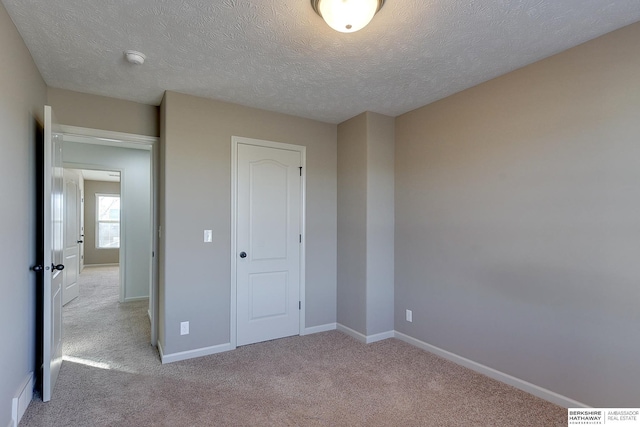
[184,328]
[208,236]
[409,316]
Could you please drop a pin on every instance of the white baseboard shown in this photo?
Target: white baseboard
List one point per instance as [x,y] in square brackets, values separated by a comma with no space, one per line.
[206,351]
[101,265]
[190,354]
[22,399]
[367,339]
[319,328]
[132,299]
[518,383]
[352,333]
[540,392]
[160,349]
[381,336]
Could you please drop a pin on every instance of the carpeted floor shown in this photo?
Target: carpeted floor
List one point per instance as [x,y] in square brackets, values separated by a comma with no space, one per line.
[112,377]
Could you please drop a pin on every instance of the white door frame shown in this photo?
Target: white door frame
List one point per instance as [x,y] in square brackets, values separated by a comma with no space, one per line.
[235,141]
[141,142]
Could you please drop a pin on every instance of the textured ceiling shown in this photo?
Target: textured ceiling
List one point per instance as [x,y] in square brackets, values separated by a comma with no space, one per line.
[280,56]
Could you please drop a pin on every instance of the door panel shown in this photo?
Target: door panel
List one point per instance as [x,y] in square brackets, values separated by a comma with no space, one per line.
[268,228]
[56,336]
[268,295]
[53,220]
[81,207]
[269,206]
[71,237]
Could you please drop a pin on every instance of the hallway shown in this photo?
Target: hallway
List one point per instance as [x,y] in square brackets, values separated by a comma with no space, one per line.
[99,330]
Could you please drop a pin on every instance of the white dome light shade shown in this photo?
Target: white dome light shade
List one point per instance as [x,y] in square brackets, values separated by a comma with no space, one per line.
[347,16]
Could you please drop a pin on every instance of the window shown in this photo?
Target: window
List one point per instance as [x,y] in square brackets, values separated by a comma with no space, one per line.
[107,221]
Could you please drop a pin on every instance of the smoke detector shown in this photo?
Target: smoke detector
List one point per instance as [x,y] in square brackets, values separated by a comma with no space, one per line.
[135,57]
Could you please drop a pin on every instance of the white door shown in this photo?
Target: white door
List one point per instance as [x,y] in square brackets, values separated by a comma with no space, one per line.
[72,238]
[268,236]
[81,229]
[53,217]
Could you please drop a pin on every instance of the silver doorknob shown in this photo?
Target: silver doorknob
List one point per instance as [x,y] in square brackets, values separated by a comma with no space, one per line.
[243,254]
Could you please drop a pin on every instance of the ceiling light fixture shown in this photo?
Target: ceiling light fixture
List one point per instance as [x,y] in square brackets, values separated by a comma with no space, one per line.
[347,16]
[135,57]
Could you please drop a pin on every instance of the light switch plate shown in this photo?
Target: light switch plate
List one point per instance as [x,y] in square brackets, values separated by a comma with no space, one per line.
[208,236]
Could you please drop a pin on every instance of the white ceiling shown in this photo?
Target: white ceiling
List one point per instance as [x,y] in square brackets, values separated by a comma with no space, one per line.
[280,56]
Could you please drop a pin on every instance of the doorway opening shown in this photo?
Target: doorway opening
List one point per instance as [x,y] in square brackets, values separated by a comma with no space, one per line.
[135,157]
[91,225]
[117,170]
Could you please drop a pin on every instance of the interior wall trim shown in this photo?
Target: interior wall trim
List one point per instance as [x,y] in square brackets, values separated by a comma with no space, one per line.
[132,299]
[518,383]
[320,328]
[23,397]
[117,139]
[190,354]
[379,337]
[352,333]
[523,385]
[101,265]
[367,339]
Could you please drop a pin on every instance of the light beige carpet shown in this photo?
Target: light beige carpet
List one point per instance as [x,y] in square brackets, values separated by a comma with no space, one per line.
[114,378]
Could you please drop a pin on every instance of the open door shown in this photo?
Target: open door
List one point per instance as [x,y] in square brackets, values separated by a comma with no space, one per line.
[72,239]
[52,244]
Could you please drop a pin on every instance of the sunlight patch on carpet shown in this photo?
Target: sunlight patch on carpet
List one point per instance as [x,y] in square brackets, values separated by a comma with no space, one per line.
[87,362]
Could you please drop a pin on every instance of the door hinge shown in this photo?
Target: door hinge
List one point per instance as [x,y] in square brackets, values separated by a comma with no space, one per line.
[300,170]
[299,305]
[300,238]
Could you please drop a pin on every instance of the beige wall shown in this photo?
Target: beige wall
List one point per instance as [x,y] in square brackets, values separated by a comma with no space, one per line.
[365,224]
[196,169]
[92,255]
[352,223]
[101,112]
[22,97]
[518,218]
[380,223]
